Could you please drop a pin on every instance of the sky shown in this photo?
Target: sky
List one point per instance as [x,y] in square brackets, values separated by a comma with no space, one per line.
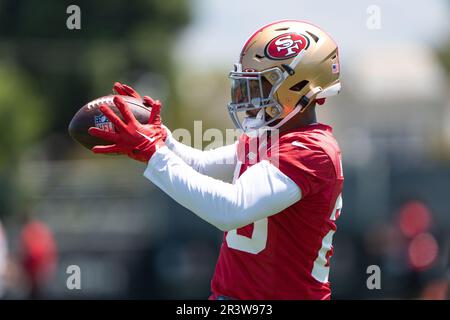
[220,27]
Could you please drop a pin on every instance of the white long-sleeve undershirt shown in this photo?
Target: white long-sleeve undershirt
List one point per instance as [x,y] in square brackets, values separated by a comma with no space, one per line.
[261,191]
[217,163]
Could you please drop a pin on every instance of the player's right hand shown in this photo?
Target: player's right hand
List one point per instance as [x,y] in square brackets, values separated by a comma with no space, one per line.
[138,141]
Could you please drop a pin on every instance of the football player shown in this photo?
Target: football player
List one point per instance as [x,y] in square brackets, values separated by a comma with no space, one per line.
[277,208]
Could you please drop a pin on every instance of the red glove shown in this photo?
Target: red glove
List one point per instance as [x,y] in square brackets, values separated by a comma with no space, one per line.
[138,141]
[124,90]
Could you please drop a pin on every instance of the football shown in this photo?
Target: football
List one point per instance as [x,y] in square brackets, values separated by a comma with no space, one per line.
[91,116]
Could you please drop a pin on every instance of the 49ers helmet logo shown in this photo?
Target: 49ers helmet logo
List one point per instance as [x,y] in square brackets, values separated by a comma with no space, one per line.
[286,46]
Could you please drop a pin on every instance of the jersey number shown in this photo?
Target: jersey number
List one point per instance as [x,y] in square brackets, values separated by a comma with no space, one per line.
[321,268]
[255,244]
[258,241]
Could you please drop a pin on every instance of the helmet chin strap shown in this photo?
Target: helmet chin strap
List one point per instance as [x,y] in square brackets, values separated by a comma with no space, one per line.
[252,125]
[256,123]
[301,106]
[288,117]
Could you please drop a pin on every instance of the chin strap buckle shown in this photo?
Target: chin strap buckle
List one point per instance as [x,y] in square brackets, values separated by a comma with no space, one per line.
[307,98]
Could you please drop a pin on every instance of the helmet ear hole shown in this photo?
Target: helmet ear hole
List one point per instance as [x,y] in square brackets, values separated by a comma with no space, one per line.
[299,86]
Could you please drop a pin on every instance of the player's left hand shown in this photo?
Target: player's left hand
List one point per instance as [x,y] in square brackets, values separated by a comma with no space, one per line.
[125,90]
[138,141]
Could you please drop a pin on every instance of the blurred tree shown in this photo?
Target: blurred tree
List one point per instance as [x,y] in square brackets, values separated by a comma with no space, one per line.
[443,52]
[444,56]
[23,118]
[118,41]
[47,72]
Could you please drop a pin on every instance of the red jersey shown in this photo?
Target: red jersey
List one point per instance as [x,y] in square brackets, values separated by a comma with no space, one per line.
[287,255]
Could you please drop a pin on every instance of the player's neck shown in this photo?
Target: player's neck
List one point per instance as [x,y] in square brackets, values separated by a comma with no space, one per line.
[301,119]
